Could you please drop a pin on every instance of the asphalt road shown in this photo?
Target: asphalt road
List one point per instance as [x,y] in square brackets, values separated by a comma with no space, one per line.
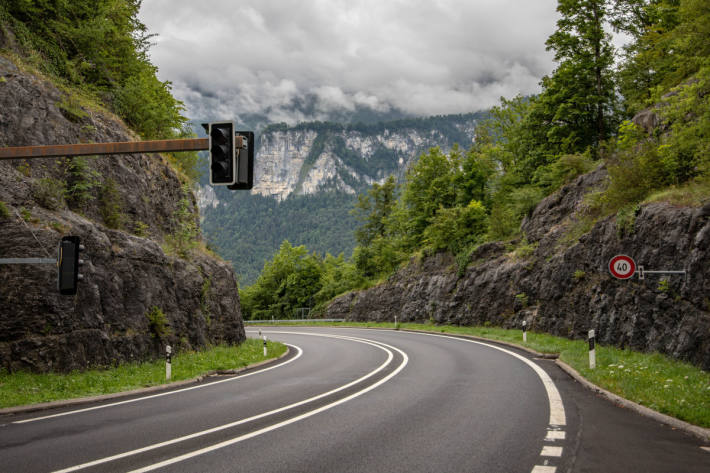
[355,400]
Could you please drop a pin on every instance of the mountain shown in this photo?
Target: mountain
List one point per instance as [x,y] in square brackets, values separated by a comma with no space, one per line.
[307,178]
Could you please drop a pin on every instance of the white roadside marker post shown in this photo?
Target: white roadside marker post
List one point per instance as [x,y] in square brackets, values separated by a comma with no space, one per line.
[168,362]
[525,333]
[264,346]
[395,322]
[592,354]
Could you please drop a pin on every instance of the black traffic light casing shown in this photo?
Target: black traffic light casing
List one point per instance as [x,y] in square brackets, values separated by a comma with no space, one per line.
[223,159]
[245,163]
[68,263]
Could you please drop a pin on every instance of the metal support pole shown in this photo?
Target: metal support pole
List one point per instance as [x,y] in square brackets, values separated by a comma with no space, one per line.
[122,147]
[28,261]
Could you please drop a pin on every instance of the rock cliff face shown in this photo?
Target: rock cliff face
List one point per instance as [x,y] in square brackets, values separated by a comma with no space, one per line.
[306,160]
[563,287]
[122,207]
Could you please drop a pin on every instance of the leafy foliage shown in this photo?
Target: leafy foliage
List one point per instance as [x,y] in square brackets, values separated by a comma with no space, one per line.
[81,182]
[101,47]
[110,204]
[186,235]
[530,146]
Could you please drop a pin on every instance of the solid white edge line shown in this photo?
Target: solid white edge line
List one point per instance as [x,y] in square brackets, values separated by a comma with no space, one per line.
[405,360]
[168,393]
[241,421]
[557,409]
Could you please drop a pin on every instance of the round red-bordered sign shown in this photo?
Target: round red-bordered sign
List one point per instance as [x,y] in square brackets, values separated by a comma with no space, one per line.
[622,267]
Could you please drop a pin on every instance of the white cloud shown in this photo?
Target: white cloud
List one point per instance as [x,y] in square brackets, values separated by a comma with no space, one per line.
[269,57]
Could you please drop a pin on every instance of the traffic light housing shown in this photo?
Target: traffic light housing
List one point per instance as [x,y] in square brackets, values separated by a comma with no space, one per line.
[245,163]
[68,263]
[223,159]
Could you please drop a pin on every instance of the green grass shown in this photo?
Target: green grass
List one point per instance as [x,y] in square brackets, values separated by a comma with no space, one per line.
[29,388]
[656,381]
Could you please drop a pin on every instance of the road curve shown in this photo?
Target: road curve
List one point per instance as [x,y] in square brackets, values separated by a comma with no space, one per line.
[343,400]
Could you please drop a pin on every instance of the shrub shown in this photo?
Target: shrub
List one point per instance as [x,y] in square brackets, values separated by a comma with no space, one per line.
[82,181]
[49,192]
[110,204]
[187,233]
[4,211]
[157,323]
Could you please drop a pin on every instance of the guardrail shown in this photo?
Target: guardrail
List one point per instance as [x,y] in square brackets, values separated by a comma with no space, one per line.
[291,321]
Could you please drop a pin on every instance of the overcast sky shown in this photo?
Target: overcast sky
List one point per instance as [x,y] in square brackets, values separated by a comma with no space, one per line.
[227,58]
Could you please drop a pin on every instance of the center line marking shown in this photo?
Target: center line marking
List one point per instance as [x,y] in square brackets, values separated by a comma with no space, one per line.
[168,393]
[379,345]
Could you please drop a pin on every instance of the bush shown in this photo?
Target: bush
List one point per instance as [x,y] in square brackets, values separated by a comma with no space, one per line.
[110,204]
[4,211]
[49,192]
[187,232]
[157,323]
[82,181]
[456,228]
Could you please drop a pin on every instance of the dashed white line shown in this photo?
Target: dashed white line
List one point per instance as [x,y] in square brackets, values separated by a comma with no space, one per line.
[544,469]
[549,451]
[555,435]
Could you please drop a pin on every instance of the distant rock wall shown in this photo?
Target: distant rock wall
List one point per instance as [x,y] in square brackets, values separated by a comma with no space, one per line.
[564,287]
[127,272]
[282,164]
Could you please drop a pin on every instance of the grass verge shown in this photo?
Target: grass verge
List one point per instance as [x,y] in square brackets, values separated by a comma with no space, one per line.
[23,388]
[656,381]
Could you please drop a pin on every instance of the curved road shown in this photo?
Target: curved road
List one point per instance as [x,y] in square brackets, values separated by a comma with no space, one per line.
[358,400]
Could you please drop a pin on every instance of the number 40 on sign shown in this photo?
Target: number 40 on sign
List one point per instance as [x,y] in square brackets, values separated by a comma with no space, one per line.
[622,266]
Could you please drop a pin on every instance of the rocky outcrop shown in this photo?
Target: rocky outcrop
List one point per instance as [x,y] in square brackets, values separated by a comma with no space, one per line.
[562,286]
[307,161]
[136,296]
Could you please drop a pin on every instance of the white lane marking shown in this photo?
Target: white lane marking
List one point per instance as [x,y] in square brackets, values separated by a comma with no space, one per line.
[557,409]
[548,451]
[405,360]
[169,393]
[555,435]
[544,469]
[390,356]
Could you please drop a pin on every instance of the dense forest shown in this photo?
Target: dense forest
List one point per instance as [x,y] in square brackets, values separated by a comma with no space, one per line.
[530,146]
[247,228]
[320,221]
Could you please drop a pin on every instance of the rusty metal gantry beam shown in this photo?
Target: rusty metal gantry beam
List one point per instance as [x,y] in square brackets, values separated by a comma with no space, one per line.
[125,147]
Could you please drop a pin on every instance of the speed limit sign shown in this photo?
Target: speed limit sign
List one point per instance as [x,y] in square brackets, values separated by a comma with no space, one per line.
[622,267]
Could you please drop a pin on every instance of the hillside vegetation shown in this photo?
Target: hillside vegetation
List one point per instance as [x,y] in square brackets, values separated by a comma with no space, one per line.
[531,146]
[97,52]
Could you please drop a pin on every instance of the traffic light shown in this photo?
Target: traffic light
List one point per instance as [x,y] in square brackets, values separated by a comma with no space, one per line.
[223,169]
[245,162]
[68,263]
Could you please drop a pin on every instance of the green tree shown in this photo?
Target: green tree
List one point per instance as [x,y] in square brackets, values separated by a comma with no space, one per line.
[287,282]
[373,209]
[577,107]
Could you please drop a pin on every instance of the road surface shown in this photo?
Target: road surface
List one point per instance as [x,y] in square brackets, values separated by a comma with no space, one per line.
[357,400]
